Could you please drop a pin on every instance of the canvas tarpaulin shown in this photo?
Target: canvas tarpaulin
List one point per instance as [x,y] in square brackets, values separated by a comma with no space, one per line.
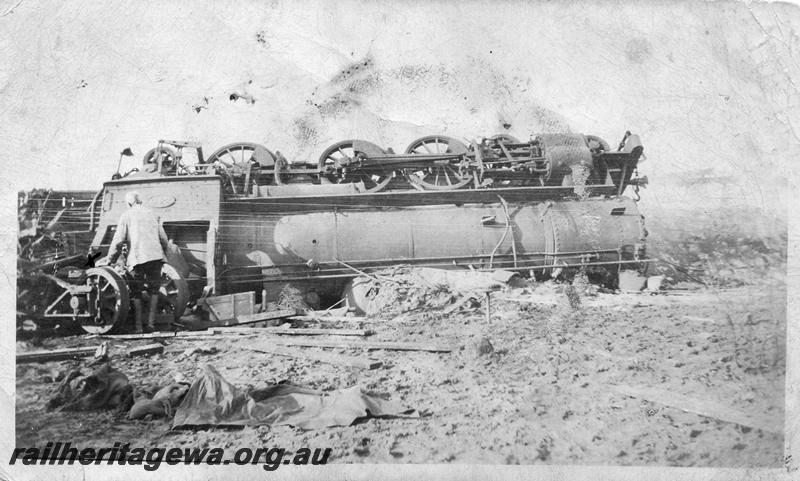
[213,401]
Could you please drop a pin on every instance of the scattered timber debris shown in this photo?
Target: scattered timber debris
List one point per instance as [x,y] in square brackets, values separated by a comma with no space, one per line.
[154,335]
[326,357]
[265,316]
[462,302]
[335,318]
[420,288]
[147,350]
[56,355]
[388,345]
[290,331]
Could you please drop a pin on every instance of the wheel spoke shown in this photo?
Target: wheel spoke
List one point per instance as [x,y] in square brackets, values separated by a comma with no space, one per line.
[348,168]
[438,177]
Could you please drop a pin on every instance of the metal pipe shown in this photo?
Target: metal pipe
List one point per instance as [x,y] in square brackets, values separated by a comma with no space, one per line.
[448,260]
[312,277]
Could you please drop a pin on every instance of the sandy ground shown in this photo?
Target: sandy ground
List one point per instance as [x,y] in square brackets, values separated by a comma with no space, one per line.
[551,392]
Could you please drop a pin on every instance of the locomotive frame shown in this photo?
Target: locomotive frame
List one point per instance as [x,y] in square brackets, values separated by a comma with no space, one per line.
[245,219]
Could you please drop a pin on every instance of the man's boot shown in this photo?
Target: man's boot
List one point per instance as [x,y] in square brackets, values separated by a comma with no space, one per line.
[138,312]
[151,317]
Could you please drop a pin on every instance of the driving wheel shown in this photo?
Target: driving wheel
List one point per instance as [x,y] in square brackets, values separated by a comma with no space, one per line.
[108,301]
[347,162]
[441,174]
[239,153]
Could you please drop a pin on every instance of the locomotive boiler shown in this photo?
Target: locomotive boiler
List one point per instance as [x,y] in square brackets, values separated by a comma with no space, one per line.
[245,219]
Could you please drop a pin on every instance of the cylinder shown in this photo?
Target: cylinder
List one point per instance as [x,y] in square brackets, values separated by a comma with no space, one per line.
[565,153]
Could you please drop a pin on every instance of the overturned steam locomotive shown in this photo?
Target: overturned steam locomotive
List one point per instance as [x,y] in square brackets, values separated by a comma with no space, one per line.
[246,219]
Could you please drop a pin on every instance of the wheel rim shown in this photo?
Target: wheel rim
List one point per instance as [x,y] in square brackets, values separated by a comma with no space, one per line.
[341,164]
[436,144]
[240,152]
[505,139]
[149,159]
[108,301]
[173,293]
[449,176]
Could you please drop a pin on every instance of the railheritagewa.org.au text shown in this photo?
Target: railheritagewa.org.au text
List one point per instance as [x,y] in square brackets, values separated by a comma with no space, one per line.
[151,458]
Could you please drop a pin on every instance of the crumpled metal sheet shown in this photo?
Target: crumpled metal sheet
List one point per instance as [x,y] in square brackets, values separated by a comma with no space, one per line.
[213,401]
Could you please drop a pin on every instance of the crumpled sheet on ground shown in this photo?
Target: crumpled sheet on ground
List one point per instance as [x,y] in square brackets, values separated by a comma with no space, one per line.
[163,402]
[213,401]
[104,388]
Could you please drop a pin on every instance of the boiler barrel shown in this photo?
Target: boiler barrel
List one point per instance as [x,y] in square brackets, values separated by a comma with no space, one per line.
[535,234]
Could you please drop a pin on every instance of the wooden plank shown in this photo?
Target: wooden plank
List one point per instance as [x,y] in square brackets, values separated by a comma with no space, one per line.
[394,346]
[264,316]
[147,350]
[55,355]
[325,357]
[154,335]
[334,318]
[709,409]
[290,331]
[457,305]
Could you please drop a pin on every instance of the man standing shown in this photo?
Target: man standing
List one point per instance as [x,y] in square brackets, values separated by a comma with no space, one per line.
[140,229]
